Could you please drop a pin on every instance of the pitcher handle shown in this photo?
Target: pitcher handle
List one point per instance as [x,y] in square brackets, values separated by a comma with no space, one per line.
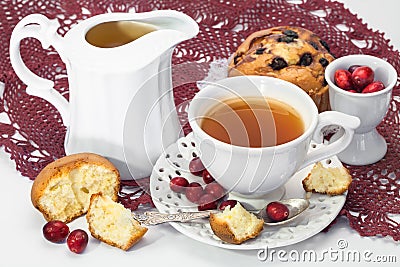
[347,122]
[45,30]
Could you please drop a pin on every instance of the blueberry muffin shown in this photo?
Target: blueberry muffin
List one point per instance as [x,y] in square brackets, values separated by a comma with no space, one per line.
[290,53]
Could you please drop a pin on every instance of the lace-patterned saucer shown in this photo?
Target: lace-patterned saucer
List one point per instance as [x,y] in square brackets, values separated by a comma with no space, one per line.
[175,162]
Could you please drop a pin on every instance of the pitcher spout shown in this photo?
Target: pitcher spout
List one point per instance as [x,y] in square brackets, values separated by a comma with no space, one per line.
[173,20]
[172,26]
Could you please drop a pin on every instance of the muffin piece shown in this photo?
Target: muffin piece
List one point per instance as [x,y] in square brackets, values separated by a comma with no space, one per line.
[62,190]
[235,225]
[112,223]
[290,53]
[331,181]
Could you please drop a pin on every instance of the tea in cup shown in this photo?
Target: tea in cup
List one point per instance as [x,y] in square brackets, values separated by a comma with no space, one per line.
[253,122]
[254,132]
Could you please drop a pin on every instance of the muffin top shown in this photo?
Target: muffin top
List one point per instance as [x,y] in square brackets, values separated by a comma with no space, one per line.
[290,53]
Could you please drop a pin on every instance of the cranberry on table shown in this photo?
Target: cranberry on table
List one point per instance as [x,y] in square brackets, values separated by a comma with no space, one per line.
[207,202]
[277,211]
[194,191]
[196,167]
[207,177]
[362,76]
[77,241]
[373,87]
[230,202]
[215,190]
[343,79]
[178,184]
[55,231]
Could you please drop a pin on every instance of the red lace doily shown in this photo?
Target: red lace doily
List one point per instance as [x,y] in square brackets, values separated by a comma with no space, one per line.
[32,132]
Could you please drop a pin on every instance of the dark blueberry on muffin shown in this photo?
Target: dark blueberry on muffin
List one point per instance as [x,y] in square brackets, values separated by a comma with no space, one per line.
[259,51]
[291,33]
[306,59]
[324,62]
[278,63]
[286,39]
[325,44]
[314,45]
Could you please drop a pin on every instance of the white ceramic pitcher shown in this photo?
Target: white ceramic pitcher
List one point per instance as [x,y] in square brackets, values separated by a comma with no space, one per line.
[107,83]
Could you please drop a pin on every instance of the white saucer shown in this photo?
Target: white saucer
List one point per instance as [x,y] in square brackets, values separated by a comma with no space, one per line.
[175,161]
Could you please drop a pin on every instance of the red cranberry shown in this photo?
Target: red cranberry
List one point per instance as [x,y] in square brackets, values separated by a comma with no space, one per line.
[196,167]
[343,79]
[277,211]
[373,87]
[352,91]
[207,178]
[193,192]
[207,202]
[353,67]
[230,202]
[55,231]
[215,190]
[77,241]
[178,184]
[362,76]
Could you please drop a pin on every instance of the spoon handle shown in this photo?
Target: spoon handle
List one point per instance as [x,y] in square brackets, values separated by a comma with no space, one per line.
[154,218]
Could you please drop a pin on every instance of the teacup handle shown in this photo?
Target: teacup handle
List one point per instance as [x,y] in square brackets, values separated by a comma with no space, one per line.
[347,122]
[45,30]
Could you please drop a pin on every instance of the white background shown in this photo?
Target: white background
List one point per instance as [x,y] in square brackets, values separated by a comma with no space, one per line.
[22,244]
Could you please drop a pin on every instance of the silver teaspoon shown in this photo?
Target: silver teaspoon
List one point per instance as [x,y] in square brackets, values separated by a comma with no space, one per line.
[154,217]
[295,206]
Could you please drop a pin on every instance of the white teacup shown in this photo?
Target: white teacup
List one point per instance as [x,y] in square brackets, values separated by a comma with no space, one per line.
[254,172]
[367,146]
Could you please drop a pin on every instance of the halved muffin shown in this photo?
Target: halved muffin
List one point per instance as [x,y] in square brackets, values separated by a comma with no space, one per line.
[112,223]
[331,181]
[235,225]
[62,190]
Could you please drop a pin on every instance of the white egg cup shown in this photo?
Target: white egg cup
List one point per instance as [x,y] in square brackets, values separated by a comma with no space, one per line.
[367,146]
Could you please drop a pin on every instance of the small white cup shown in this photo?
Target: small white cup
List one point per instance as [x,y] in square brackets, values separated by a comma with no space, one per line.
[255,172]
[368,146]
